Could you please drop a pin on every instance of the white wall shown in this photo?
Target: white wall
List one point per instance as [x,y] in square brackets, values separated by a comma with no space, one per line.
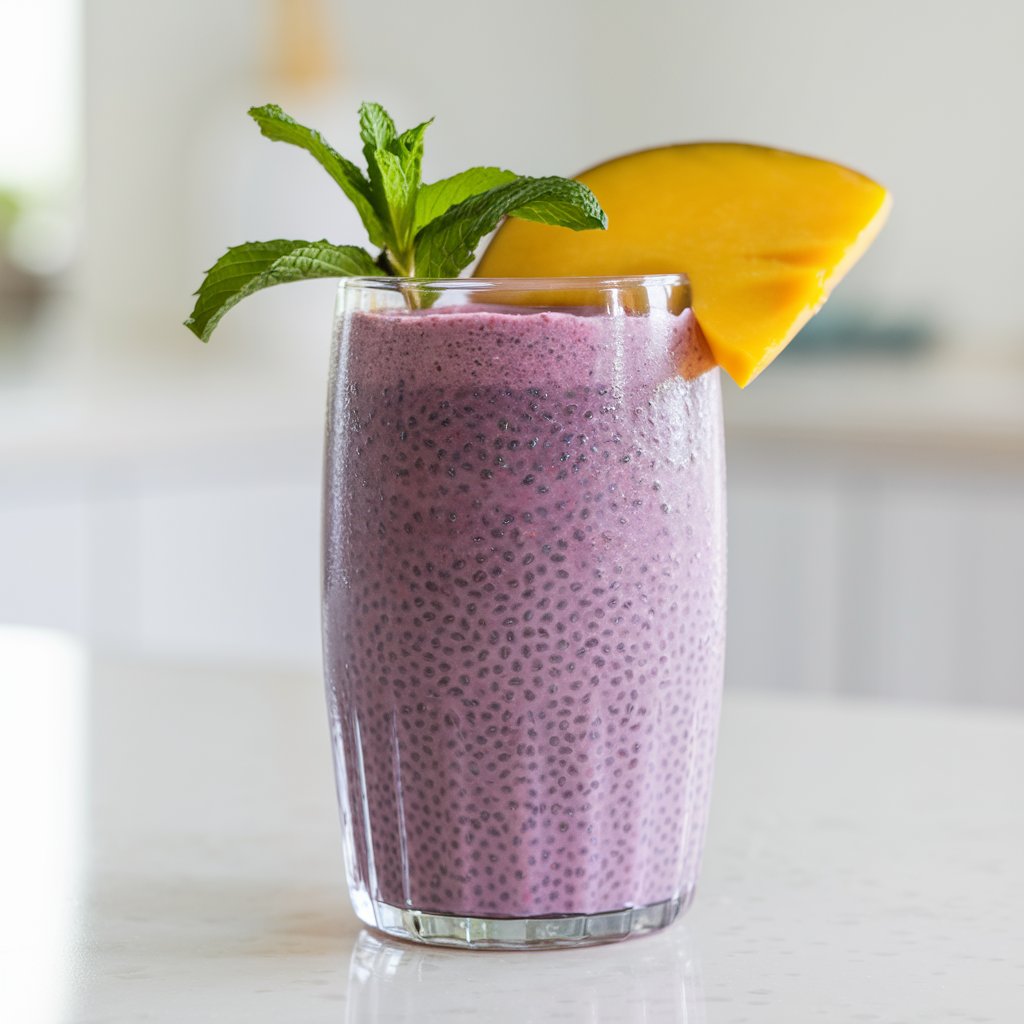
[923,94]
[186,528]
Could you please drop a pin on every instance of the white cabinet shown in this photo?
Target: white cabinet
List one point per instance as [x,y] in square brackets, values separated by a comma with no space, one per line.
[212,558]
[882,563]
[44,560]
[875,573]
[231,572]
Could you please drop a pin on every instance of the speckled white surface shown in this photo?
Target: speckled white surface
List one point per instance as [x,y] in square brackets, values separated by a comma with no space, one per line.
[863,865]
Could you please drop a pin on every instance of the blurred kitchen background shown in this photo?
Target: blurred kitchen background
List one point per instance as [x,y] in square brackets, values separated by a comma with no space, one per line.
[161,498]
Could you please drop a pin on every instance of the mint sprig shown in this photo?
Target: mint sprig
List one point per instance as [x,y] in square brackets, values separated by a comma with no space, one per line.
[439,196]
[252,266]
[277,126]
[422,230]
[447,244]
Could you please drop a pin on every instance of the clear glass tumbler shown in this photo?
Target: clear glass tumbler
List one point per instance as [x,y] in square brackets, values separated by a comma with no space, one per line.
[523,604]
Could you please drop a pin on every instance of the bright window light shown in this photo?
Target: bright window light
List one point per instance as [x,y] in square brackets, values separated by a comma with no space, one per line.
[40,80]
[42,723]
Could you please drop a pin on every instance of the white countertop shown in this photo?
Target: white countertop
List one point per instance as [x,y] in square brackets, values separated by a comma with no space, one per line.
[863,864]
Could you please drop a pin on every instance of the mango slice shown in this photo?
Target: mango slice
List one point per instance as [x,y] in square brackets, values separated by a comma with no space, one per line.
[764,235]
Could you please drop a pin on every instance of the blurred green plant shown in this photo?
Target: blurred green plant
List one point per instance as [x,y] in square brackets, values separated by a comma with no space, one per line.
[20,290]
[11,206]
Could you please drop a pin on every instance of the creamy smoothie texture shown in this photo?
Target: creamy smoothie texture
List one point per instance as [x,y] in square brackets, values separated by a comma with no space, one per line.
[524,607]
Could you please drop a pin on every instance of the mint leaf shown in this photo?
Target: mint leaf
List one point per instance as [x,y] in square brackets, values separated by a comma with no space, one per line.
[377,131]
[393,164]
[399,197]
[247,268]
[409,148]
[276,125]
[376,128]
[447,244]
[432,200]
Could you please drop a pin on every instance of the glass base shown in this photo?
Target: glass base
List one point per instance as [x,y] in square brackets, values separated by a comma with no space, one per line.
[566,930]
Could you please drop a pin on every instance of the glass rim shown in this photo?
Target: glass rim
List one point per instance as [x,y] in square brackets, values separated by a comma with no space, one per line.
[389,283]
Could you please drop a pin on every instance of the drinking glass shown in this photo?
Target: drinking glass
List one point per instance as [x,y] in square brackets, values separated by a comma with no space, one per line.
[523,604]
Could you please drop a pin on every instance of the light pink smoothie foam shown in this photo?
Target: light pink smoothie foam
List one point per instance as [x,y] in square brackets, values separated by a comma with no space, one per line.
[523,608]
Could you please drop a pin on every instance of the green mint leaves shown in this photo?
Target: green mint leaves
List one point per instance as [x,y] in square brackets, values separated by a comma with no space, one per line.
[247,268]
[434,199]
[423,230]
[277,126]
[393,164]
[446,244]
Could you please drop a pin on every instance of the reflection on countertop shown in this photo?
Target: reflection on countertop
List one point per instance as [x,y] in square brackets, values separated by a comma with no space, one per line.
[653,979]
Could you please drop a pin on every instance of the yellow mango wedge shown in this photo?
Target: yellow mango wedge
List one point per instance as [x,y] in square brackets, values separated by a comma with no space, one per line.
[764,236]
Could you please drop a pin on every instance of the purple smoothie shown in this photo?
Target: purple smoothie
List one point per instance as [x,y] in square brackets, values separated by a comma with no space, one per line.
[524,588]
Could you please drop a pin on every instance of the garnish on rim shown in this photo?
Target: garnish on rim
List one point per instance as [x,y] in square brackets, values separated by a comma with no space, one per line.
[422,230]
[763,234]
